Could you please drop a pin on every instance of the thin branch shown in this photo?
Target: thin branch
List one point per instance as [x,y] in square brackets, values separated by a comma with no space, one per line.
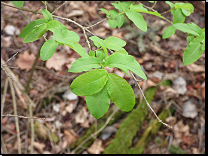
[31,103]
[45,5]
[5,64]
[88,43]
[151,8]
[16,119]
[11,58]
[59,7]
[97,23]
[165,12]
[94,134]
[4,95]
[32,129]
[154,4]
[25,117]
[149,104]
[24,9]
[3,145]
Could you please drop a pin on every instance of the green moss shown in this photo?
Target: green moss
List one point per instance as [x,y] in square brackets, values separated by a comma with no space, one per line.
[91,130]
[54,137]
[176,150]
[151,130]
[130,126]
[166,83]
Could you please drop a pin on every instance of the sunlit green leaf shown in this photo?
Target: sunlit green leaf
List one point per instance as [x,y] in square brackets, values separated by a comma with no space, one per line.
[48,49]
[120,92]
[98,104]
[89,83]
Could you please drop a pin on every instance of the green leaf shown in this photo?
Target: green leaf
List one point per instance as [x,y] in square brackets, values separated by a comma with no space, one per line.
[78,48]
[123,51]
[100,54]
[120,92]
[35,34]
[125,5]
[84,64]
[137,19]
[151,1]
[18,4]
[48,49]
[28,28]
[117,6]
[98,40]
[170,4]
[193,51]
[186,6]
[203,46]
[169,31]
[47,15]
[98,104]
[125,62]
[114,43]
[188,28]
[65,35]
[140,8]
[112,23]
[104,10]
[186,12]
[189,38]
[69,38]
[178,16]
[89,83]
[91,53]
[52,25]
[113,13]
[120,20]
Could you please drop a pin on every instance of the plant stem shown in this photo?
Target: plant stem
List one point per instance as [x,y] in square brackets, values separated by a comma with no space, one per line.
[35,63]
[16,119]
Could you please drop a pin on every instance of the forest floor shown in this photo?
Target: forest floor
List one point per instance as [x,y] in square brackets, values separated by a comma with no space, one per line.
[67,119]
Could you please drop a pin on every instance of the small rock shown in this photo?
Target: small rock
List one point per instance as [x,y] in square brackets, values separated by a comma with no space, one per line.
[69,95]
[56,107]
[10,29]
[189,110]
[106,133]
[179,84]
[157,74]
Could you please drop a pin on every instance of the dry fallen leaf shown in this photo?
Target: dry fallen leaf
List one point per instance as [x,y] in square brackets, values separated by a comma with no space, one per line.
[195,68]
[147,84]
[81,116]
[25,60]
[70,137]
[101,32]
[75,13]
[117,34]
[92,10]
[96,147]
[170,93]
[57,61]
[179,128]
[39,146]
